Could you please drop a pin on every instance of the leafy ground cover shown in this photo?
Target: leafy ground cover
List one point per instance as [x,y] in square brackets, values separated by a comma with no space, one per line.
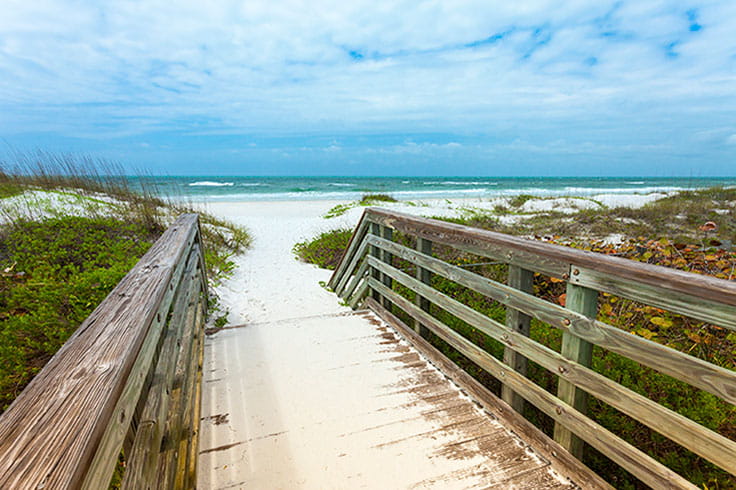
[66,240]
[54,273]
[326,250]
[692,231]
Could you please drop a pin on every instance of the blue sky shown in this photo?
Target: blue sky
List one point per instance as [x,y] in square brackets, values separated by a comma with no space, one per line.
[333,87]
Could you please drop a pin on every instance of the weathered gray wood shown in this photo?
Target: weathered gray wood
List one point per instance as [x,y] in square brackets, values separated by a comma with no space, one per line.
[191,481]
[142,460]
[701,374]
[501,247]
[355,240]
[359,254]
[689,434]
[555,260]
[584,301]
[359,294]
[425,276]
[180,394]
[720,314]
[375,231]
[81,403]
[387,234]
[560,459]
[627,456]
[188,421]
[355,280]
[517,321]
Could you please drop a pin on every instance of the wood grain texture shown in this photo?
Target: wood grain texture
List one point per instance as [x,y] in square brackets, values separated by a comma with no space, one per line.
[723,315]
[697,372]
[359,254]
[689,434]
[560,459]
[627,456]
[518,322]
[425,276]
[142,460]
[554,259]
[355,280]
[355,240]
[584,301]
[50,435]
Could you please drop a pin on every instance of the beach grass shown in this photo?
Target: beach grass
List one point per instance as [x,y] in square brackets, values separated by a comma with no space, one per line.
[72,228]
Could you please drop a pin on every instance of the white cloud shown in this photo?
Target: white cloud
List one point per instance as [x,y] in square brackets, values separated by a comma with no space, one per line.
[585,71]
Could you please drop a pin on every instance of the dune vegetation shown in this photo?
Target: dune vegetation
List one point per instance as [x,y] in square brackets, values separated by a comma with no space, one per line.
[71,229]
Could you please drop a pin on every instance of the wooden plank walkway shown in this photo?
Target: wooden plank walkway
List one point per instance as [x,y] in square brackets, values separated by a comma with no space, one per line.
[342,401]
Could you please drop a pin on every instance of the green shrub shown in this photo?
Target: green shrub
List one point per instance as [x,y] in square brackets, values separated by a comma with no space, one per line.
[53,274]
[369,199]
[325,250]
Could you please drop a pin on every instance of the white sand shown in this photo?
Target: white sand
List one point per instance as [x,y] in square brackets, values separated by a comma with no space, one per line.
[270,284]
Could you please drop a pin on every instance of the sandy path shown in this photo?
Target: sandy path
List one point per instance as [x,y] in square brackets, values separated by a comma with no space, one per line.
[306,394]
[269,283]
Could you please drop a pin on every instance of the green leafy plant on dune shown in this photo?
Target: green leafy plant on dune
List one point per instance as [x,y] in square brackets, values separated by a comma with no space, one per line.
[56,267]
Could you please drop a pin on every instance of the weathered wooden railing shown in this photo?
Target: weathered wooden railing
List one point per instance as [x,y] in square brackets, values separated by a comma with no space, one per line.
[367,269]
[126,383]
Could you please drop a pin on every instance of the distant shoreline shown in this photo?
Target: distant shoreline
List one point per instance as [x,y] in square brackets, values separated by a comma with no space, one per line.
[242,189]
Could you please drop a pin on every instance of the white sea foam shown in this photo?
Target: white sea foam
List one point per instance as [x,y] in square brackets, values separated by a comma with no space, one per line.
[209,183]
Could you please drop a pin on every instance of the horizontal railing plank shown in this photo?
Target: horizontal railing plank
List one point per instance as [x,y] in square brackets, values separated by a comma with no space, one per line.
[723,315]
[54,430]
[556,260]
[689,434]
[505,248]
[632,459]
[702,374]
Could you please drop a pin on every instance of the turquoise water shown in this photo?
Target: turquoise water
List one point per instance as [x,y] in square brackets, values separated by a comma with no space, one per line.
[406,188]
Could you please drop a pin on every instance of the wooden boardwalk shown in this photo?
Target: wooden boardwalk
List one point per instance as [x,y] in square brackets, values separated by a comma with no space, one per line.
[342,401]
[335,398]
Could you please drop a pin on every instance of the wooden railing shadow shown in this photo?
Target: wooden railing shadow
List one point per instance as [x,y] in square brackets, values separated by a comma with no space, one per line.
[367,275]
[125,386]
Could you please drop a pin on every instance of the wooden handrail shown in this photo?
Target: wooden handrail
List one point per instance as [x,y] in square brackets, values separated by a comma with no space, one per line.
[367,271]
[68,427]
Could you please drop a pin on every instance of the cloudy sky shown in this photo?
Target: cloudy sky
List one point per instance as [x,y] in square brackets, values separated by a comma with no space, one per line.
[366,87]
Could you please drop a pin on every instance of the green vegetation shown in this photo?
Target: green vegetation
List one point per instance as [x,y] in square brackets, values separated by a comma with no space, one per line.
[677,218]
[325,250]
[518,201]
[366,200]
[370,199]
[672,232]
[69,234]
[54,273]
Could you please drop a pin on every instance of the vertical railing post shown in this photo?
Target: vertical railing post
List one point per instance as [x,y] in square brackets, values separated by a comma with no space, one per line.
[376,252]
[387,234]
[585,301]
[423,246]
[519,322]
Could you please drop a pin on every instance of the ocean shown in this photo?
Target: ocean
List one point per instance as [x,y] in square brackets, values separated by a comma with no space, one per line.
[224,188]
